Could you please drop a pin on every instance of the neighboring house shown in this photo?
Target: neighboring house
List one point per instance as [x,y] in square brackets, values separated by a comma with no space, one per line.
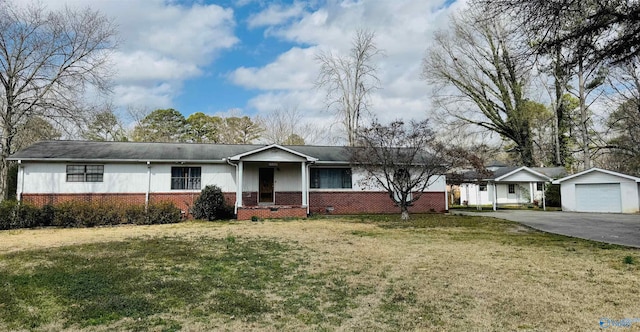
[600,190]
[507,185]
[263,181]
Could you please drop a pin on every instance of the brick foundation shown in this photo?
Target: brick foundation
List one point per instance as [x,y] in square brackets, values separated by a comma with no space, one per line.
[357,202]
[288,204]
[115,199]
[275,212]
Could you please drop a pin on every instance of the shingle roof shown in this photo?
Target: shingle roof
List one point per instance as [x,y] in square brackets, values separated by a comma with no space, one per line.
[133,151]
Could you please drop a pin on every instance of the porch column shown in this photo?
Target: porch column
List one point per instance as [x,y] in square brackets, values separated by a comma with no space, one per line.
[239,177]
[303,179]
[532,188]
[495,197]
[544,199]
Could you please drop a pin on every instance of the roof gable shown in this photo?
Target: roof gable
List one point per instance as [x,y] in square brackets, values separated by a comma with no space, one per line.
[272,152]
[522,174]
[598,170]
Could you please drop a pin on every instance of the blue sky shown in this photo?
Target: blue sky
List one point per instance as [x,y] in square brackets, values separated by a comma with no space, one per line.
[249,57]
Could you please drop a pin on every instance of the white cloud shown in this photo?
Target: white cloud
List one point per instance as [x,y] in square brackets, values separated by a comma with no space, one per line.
[162,44]
[158,96]
[292,70]
[276,14]
[140,66]
[404,31]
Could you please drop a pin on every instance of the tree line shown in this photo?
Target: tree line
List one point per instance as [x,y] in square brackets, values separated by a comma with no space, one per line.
[557,81]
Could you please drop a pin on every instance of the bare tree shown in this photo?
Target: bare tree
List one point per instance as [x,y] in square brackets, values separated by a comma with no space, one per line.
[489,77]
[615,23]
[48,59]
[287,126]
[623,141]
[349,80]
[403,158]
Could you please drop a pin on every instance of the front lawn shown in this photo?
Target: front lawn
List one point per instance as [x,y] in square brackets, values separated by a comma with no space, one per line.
[358,273]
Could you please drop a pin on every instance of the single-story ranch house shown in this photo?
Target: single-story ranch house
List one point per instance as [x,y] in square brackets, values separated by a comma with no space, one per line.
[264,181]
[507,185]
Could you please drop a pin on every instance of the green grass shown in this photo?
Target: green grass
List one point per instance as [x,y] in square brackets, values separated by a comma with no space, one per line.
[99,284]
[434,272]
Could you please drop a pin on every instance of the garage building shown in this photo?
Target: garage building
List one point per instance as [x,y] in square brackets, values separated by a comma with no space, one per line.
[600,190]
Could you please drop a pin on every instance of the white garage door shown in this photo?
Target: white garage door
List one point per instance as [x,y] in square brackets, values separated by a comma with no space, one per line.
[601,197]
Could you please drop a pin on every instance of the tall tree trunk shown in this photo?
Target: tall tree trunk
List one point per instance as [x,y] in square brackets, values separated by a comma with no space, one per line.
[559,115]
[5,151]
[584,117]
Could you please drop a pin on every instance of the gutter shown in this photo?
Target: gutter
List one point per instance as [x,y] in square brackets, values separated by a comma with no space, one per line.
[146,196]
[83,160]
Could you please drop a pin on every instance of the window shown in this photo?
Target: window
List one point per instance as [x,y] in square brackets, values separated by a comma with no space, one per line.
[334,178]
[185,178]
[539,186]
[85,173]
[483,187]
[512,188]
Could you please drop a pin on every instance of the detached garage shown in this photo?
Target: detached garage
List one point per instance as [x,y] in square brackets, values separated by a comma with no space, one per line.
[599,190]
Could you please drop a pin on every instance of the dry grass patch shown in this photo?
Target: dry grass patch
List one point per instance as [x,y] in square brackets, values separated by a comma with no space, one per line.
[373,273]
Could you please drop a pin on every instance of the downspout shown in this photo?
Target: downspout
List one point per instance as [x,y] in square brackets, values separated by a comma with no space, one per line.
[146,196]
[20,181]
[446,195]
[307,182]
[235,204]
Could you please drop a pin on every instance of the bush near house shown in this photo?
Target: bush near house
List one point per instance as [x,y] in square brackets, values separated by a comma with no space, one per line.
[210,205]
[14,215]
[552,196]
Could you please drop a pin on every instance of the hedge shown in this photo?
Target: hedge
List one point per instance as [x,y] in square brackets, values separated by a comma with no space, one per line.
[15,215]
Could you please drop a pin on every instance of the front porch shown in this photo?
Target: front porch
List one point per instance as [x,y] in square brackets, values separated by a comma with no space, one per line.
[272,182]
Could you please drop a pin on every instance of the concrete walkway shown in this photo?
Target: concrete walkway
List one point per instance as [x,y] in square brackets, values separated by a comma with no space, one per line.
[612,228]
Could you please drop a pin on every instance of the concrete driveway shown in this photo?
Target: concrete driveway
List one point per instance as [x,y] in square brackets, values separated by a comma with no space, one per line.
[613,228]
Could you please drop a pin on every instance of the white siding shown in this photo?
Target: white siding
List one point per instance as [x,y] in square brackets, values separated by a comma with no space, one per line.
[358,182]
[47,178]
[471,193]
[522,176]
[273,155]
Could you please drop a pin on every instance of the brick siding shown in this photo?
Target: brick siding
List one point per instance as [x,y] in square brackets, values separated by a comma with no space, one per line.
[324,202]
[321,202]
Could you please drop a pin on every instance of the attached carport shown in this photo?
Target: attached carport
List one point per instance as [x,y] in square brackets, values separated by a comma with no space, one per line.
[600,190]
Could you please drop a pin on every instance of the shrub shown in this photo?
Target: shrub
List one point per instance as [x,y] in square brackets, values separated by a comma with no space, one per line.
[163,213]
[552,195]
[14,214]
[84,214]
[29,216]
[210,205]
[47,213]
[135,214]
[8,214]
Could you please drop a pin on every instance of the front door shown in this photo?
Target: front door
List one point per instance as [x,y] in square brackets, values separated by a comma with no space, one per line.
[265,190]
